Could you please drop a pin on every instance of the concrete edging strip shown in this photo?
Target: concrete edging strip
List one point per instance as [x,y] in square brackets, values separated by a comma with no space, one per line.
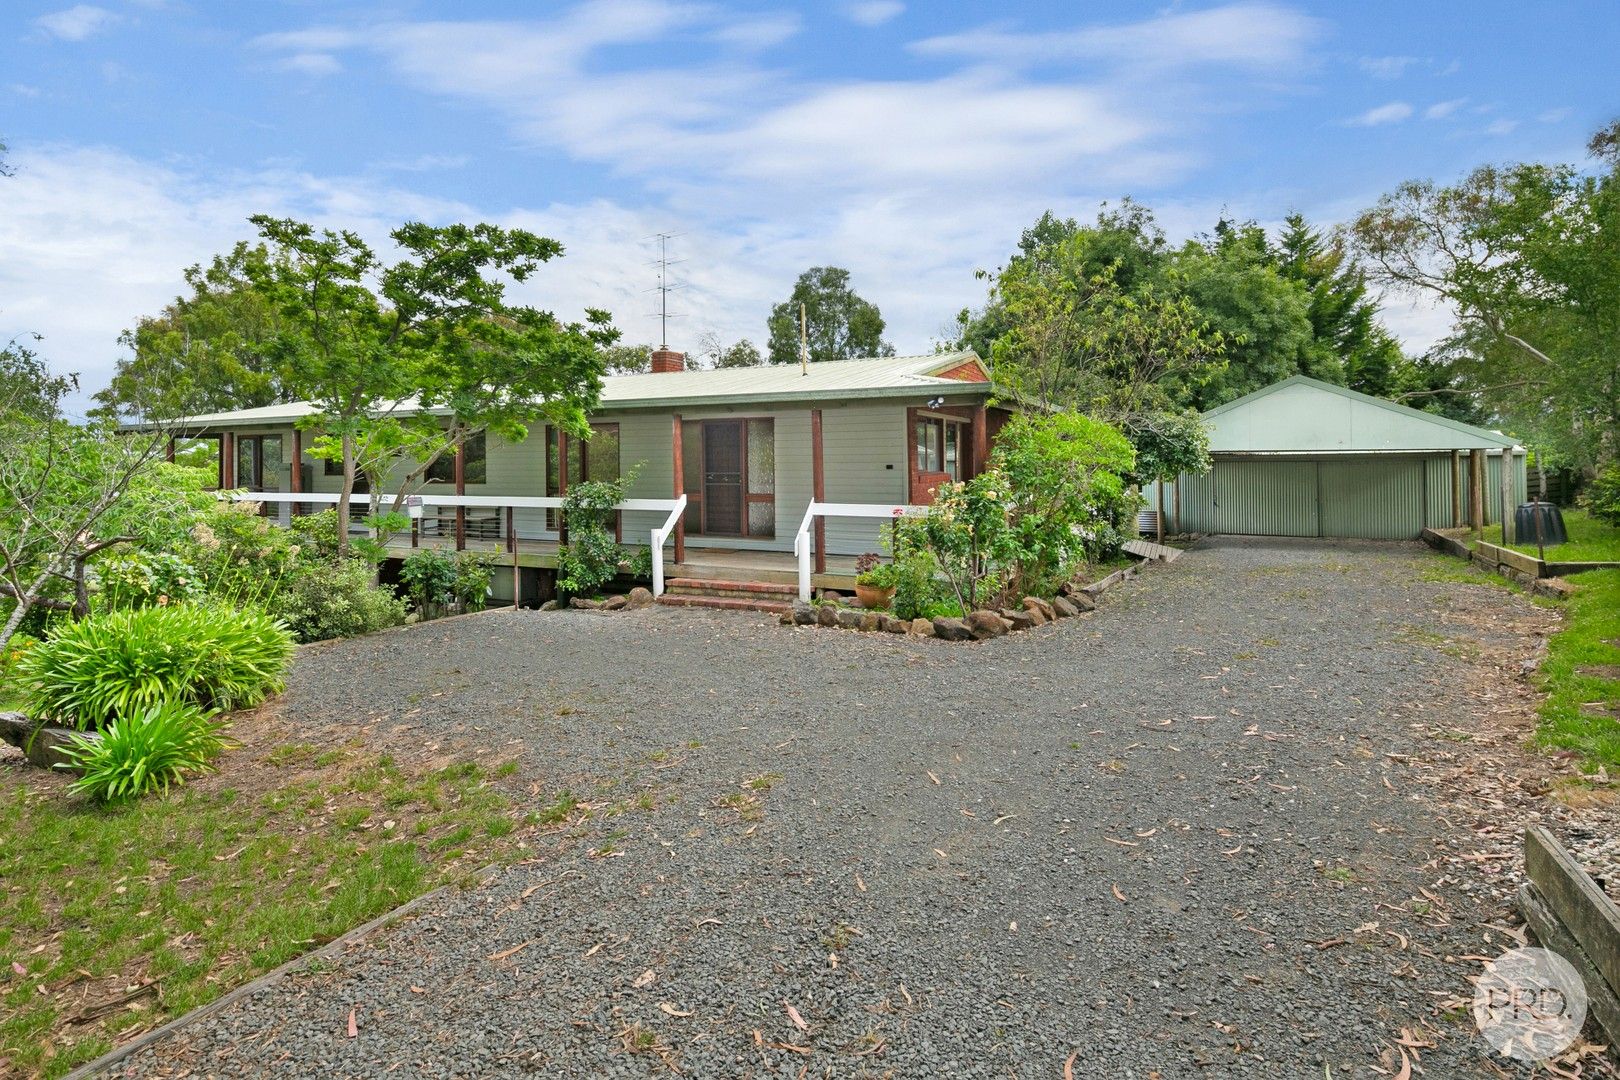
[247,989]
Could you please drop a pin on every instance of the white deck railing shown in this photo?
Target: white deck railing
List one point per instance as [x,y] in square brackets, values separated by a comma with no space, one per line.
[414,503]
[801,540]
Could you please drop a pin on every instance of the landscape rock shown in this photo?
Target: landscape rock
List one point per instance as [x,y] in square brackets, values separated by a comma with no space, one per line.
[986,624]
[584,603]
[802,613]
[1042,605]
[44,748]
[615,603]
[1020,620]
[849,618]
[832,596]
[827,615]
[871,620]
[1083,601]
[921,628]
[639,598]
[1064,608]
[950,629]
[1033,607]
[897,626]
[551,605]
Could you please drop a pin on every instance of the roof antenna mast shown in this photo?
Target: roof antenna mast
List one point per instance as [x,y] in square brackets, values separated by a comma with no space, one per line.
[804,344]
[665,286]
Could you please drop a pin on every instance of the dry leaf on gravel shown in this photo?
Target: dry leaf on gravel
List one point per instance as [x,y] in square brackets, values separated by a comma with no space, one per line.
[354,1028]
[513,951]
[645,979]
[669,1010]
[1119,894]
[793,1015]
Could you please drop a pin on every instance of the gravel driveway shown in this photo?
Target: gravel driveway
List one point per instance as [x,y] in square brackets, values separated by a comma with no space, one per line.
[1175,838]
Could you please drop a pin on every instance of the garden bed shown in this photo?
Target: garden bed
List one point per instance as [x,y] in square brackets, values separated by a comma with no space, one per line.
[1076,598]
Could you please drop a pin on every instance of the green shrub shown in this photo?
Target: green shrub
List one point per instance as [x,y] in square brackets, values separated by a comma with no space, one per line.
[316,535]
[1602,497]
[134,579]
[326,600]
[916,588]
[592,555]
[11,660]
[120,663]
[473,572]
[146,751]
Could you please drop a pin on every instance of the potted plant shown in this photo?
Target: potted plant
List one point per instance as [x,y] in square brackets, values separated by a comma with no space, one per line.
[875,581]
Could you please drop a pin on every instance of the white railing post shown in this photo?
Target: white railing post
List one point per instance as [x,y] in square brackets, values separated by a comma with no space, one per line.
[660,534]
[801,549]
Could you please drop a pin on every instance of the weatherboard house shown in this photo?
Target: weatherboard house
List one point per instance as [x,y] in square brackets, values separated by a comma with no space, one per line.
[747,482]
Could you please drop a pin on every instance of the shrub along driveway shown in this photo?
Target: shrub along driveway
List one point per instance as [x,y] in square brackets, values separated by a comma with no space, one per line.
[1183,836]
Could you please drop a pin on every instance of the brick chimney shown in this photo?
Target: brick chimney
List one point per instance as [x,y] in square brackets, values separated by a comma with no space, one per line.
[665,358]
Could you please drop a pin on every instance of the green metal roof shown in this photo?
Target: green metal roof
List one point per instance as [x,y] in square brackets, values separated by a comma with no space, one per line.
[1302,415]
[833,380]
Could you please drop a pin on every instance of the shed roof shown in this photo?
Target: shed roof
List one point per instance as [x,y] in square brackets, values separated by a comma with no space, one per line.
[1302,415]
[885,376]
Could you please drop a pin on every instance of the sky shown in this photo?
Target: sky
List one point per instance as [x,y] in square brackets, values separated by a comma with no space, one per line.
[910,142]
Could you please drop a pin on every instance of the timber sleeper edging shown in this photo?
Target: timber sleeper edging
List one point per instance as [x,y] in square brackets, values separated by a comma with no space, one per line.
[331,949]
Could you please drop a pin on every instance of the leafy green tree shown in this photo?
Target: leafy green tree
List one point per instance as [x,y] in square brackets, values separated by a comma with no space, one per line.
[208,351]
[61,485]
[1074,338]
[627,359]
[1528,258]
[839,324]
[362,341]
[715,353]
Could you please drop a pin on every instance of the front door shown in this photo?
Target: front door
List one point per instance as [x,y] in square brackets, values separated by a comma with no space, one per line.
[723,475]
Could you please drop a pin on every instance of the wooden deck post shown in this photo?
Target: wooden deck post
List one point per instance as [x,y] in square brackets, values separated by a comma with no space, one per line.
[1456,489]
[818,489]
[1476,490]
[1507,496]
[295,481]
[562,483]
[168,452]
[680,486]
[227,460]
[461,489]
[981,438]
[511,546]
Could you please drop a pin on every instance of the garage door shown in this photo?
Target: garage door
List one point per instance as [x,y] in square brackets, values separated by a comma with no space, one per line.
[1369,497]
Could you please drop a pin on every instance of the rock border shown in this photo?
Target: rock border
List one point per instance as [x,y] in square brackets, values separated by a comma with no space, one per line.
[981,625]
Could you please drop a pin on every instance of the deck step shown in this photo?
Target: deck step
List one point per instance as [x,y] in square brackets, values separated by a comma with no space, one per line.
[724,603]
[717,586]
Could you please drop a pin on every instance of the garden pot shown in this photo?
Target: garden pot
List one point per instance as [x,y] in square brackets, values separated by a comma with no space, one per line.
[870,596]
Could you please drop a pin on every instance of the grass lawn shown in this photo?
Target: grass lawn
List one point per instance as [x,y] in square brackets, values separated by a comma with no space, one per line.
[115,921]
[1581,675]
[1590,540]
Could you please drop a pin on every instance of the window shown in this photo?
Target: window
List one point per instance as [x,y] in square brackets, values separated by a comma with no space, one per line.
[597,459]
[939,446]
[474,471]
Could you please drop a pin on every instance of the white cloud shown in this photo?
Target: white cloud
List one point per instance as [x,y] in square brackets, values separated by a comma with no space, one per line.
[76,23]
[1260,35]
[1555,116]
[1393,113]
[310,63]
[1387,67]
[1442,109]
[873,12]
[1503,126]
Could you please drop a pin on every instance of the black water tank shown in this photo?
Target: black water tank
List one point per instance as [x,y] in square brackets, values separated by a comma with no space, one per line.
[1551,523]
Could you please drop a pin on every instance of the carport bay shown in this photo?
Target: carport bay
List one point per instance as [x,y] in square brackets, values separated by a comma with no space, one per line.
[1306,458]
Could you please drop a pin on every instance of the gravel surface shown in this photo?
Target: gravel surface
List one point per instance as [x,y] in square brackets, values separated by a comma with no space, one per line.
[1179,837]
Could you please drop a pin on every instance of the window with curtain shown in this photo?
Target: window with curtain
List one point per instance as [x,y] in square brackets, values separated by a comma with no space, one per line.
[939,446]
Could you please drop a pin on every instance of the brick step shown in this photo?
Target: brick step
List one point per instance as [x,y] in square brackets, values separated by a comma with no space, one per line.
[721,586]
[724,603]
[786,596]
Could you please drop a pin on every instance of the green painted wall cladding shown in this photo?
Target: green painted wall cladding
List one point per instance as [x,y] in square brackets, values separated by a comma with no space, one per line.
[1371,496]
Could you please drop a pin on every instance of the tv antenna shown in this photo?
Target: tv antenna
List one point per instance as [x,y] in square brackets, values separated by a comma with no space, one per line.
[665,286]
